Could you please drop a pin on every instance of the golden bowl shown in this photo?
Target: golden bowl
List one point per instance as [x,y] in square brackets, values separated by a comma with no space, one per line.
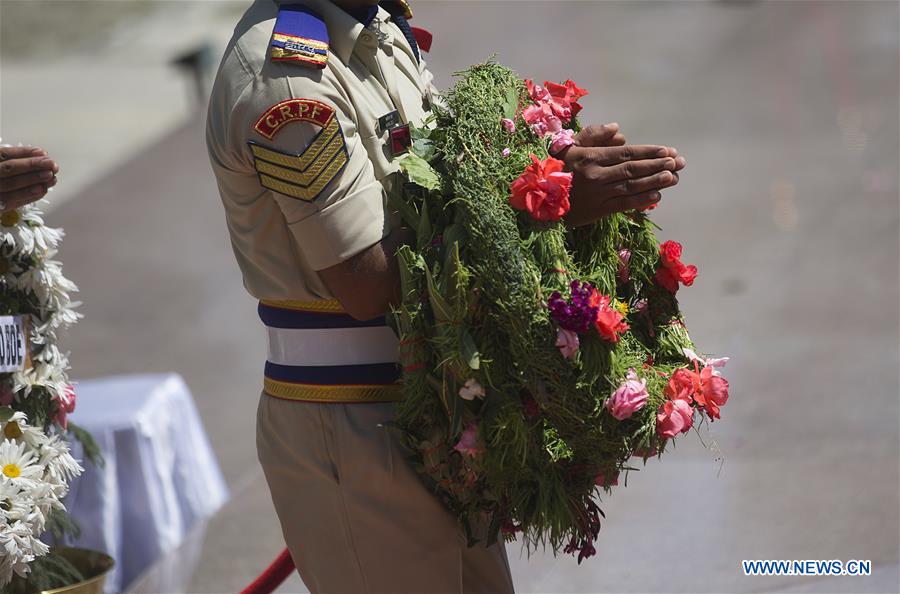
[94,565]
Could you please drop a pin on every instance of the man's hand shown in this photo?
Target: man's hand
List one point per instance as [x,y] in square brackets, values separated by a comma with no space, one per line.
[610,176]
[26,173]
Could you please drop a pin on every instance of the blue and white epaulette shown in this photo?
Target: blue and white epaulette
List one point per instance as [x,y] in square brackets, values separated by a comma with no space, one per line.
[300,35]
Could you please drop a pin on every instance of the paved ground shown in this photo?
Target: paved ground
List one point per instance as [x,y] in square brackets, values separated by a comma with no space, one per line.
[788,115]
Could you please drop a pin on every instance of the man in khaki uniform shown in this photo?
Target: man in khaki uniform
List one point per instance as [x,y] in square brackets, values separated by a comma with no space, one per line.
[306,119]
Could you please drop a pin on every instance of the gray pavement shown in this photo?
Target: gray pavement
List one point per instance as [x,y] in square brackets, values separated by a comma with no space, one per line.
[787,113]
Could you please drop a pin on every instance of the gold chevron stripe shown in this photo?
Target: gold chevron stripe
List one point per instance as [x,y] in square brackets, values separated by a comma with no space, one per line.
[328,174]
[302,178]
[322,305]
[310,193]
[309,154]
[318,393]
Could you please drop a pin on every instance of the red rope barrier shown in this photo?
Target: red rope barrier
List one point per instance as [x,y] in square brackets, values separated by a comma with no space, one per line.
[273,576]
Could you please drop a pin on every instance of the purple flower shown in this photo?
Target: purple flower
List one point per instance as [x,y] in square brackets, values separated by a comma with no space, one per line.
[574,314]
[505,152]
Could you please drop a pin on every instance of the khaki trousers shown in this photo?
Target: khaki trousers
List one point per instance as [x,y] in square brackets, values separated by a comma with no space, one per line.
[355,515]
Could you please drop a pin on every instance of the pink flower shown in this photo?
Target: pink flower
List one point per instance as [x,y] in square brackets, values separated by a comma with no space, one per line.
[468,441]
[68,398]
[674,417]
[508,125]
[537,93]
[505,152]
[541,119]
[631,396]
[692,356]
[65,405]
[542,190]
[567,341]
[471,390]
[624,273]
[561,140]
[554,104]
[556,98]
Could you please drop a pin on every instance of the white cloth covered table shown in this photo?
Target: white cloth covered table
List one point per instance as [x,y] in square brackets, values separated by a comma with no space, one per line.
[160,477]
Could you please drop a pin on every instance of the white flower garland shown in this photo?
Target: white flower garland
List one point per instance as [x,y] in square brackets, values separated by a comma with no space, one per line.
[35,280]
[35,469]
[35,465]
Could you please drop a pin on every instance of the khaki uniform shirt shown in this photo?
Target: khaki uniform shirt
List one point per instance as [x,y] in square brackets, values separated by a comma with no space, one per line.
[281,240]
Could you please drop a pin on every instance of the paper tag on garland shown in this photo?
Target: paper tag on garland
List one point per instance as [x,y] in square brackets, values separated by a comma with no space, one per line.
[14,352]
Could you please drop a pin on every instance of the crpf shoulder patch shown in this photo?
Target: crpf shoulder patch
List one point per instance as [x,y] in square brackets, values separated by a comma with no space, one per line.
[292,110]
[303,175]
[300,35]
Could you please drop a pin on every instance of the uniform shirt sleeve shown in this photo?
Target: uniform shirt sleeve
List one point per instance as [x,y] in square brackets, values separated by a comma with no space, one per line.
[333,213]
[434,95]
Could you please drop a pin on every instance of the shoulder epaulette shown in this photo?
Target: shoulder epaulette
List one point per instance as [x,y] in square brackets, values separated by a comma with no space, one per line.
[300,35]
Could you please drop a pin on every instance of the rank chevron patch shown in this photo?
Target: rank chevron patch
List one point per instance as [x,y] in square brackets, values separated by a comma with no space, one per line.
[303,175]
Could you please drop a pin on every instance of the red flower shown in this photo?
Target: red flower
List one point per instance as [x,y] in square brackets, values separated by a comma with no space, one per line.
[671,270]
[682,385]
[707,388]
[670,253]
[610,322]
[542,190]
[712,391]
[566,97]
[561,99]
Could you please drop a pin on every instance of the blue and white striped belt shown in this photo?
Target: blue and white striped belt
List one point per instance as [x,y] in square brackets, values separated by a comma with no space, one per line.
[319,353]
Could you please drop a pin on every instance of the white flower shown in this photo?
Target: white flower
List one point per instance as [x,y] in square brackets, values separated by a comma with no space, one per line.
[19,463]
[15,504]
[34,472]
[61,466]
[32,436]
[471,389]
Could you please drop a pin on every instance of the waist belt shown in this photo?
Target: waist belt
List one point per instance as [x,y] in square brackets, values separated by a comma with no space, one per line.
[319,353]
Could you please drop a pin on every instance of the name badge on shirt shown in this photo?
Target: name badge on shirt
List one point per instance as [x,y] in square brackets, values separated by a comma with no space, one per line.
[13,344]
[398,133]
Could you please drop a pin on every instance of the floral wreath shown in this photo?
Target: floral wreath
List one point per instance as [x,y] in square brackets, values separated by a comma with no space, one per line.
[537,360]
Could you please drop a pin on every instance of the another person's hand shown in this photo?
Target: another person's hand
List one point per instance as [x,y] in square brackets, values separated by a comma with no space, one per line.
[26,173]
[610,176]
